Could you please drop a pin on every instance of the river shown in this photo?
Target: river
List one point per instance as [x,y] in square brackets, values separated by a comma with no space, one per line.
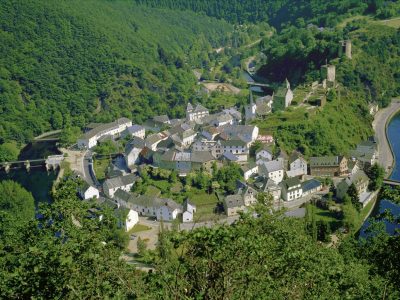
[393,133]
[38,181]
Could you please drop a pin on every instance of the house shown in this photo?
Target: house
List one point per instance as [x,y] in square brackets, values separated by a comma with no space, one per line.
[366,153]
[297,165]
[161,121]
[244,196]
[188,211]
[272,169]
[258,109]
[283,158]
[328,166]
[159,208]
[267,185]
[133,150]
[210,132]
[246,133]
[87,191]
[197,113]
[265,153]
[110,186]
[204,145]
[353,166]
[236,147]
[184,162]
[360,180]
[90,138]
[283,97]
[236,115]
[233,204]
[135,131]
[221,120]
[153,140]
[291,189]
[311,187]
[127,218]
[248,170]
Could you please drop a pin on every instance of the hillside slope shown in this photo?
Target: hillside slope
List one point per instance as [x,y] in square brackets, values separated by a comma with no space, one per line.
[66,63]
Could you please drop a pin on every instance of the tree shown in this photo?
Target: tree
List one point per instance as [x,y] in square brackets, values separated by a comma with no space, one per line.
[353,194]
[69,135]
[9,152]
[16,201]
[141,246]
[376,175]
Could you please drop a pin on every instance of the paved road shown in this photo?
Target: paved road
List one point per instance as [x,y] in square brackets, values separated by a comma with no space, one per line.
[379,125]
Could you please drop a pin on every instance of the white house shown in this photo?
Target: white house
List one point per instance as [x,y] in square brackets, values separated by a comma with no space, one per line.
[236,147]
[265,153]
[90,138]
[160,208]
[136,130]
[246,133]
[188,211]
[221,120]
[124,183]
[132,151]
[297,165]
[198,113]
[131,219]
[272,169]
[88,192]
[291,189]
[249,170]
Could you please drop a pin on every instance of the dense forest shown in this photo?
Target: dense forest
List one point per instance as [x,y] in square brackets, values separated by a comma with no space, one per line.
[68,251]
[279,12]
[65,63]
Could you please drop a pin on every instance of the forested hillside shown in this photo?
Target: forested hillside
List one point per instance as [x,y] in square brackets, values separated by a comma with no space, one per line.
[65,63]
[278,12]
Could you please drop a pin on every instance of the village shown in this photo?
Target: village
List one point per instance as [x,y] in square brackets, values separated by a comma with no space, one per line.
[211,166]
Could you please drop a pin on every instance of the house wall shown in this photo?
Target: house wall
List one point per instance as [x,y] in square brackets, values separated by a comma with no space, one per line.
[300,166]
[290,195]
[131,220]
[264,154]
[133,157]
[325,171]
[91,192]
[187,217]
[276,176]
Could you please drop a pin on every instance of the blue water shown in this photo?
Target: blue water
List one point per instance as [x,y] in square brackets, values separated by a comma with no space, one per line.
[38,181]
[393,132]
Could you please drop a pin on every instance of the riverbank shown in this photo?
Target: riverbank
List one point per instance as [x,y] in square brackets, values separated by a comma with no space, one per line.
[381,120]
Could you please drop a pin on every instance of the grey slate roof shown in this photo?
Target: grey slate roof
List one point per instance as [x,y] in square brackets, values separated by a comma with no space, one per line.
[232,201]
[331,161]
[290,182]
[201,156]
[310,185]
[104,127]
[134,143]
[272,166]
[119,181]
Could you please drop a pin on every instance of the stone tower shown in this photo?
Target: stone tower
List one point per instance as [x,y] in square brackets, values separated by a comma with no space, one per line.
[347,45]
[328,72]
[250,109]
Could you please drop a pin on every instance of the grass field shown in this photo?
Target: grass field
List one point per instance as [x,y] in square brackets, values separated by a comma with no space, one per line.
[395,23]
[152,191]
[139,228]
[100,167]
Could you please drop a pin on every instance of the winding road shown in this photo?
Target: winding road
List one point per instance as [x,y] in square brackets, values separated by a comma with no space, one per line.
[379,125]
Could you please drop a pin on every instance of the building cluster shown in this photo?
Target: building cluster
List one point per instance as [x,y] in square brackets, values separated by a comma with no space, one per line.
[203,140]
